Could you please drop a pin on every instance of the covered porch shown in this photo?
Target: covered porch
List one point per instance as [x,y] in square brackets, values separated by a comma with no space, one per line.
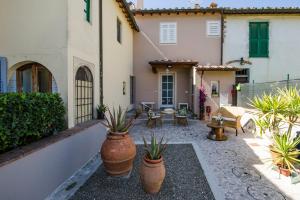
[174,83]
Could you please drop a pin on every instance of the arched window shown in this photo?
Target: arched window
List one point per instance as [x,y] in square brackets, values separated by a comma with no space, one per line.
[84,95]
[34,77]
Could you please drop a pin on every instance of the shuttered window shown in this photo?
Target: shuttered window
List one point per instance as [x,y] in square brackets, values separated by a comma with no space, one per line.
[259,39]
[3,74]
[168,33]
[119,31]
[87,10]
[213,28]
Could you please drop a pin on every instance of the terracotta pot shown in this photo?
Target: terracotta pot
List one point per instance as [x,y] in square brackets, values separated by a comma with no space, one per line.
[285,172]
[118,152]
[152,174]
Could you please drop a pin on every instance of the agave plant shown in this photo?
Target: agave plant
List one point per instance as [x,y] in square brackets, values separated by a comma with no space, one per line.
[286,151]
[154,150]
[117,122]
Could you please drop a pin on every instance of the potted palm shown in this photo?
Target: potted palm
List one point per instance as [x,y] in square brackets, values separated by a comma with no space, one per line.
[285,153]
[274,112]
[152,171]
[118,150]
[101,109]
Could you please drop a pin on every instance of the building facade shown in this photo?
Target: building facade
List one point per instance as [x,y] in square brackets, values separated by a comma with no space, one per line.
[177,52]
[58,46]
[268,39]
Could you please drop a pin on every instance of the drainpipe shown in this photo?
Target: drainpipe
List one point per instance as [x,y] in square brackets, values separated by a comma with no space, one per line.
[101,51]
[222,35]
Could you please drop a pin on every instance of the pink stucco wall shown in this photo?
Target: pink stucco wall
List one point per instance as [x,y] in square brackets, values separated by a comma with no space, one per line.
[192,43]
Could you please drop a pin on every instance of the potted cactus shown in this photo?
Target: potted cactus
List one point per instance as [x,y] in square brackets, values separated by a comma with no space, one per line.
[118,150]
[152,171]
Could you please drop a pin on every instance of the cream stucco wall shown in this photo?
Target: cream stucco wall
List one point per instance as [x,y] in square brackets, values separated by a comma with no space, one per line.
[55,34]
[83,49]
[283,46]
[35,30]
[117,58]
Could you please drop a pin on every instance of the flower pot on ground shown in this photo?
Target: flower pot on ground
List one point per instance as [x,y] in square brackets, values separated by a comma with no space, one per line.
[275,111]
[152,170]
[101,109]
[118,150]
[284,153]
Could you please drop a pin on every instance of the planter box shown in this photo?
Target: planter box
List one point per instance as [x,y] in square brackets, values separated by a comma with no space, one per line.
[35,171]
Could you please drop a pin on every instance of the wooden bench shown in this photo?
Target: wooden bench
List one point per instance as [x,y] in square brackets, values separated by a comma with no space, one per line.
[232,117]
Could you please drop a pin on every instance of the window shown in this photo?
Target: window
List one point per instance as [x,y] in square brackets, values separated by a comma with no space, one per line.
[87,10]
[168,33]
[213,28]
[242,76]
[119,31]
[84,95]
[34,78]
[259,39]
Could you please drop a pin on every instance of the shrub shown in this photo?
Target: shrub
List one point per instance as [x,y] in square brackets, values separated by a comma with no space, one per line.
[25,118]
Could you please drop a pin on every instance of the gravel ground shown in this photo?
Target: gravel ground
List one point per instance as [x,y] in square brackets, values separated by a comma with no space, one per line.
[184,180]
[240,165]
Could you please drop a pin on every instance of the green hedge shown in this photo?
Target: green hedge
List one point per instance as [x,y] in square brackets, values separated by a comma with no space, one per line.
[25,118]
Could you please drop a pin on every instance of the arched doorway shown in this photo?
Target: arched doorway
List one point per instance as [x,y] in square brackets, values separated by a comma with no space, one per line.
[84,95]
[34,77]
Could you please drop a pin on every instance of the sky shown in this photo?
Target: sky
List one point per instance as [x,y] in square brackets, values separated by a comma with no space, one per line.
[221,3]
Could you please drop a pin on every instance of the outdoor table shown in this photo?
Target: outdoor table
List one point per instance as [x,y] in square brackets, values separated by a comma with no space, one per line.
[181,120]
[217,132]
[168,112]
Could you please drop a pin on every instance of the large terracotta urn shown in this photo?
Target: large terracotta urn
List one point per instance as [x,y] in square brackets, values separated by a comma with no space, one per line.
[152,174]
[118,152]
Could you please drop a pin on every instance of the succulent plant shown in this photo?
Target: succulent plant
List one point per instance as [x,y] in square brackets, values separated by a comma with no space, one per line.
[101,108]
[154,150]
[117,122]
[286,150]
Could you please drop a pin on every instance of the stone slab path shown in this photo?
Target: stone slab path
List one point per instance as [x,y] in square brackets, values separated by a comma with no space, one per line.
[240,166]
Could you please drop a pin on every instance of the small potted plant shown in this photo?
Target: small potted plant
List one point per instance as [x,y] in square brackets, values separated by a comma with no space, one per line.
[285,153]
[101,109]
[220,119]
[118,150]
[152,171]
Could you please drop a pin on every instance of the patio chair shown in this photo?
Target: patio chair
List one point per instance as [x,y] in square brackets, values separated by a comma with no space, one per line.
[153,119]
[181,117]
[232,117]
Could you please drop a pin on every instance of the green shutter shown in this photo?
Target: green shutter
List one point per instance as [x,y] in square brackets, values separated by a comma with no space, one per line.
[87,10]
[259,39]
[253,42]
[264,40]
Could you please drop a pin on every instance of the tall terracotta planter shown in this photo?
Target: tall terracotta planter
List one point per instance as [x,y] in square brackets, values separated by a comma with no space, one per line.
[152,174]
[118,152]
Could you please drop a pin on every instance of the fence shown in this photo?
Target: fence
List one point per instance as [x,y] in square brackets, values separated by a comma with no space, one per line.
[249,91]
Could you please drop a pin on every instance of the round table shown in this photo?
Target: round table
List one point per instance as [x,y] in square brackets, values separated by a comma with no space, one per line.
[217,132]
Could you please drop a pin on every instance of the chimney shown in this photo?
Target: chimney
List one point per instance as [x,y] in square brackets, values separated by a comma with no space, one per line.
[140,4]
[197,6]
[131,5]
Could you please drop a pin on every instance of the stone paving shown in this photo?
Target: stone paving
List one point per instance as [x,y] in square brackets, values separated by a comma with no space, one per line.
[240,165]
[184,180]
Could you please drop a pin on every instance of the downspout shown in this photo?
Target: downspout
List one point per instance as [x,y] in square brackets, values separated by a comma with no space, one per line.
[222,35]
[101,51]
